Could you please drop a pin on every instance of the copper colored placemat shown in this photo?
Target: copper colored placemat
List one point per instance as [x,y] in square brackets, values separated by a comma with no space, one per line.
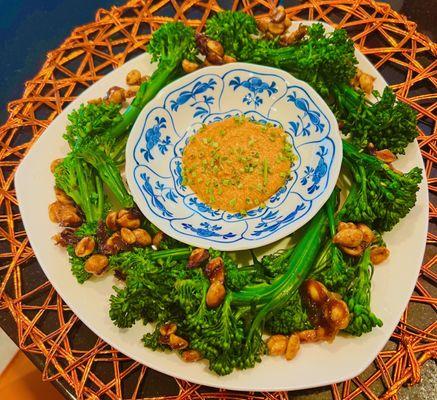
[45,324]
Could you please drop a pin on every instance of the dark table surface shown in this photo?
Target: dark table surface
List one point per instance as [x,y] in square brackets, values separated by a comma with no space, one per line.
[31,28]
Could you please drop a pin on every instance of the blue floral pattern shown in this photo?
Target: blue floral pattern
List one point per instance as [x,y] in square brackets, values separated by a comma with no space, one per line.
[187,95]
[212,95]
[256,86]
[207,230]
[153,138]
[316,174]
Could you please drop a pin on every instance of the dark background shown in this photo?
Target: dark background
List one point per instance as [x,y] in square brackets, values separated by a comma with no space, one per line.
[31,28]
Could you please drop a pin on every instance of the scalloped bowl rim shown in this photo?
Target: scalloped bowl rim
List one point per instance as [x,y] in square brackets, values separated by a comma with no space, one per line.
[158,101]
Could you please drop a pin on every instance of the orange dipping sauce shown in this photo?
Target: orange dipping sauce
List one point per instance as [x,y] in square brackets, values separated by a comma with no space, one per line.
[236,164]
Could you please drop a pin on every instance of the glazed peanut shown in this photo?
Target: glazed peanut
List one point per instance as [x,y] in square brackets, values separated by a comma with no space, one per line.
[191,355]
[177,343]
[96,264]
[142,237]
[54,164]
[348,237]
[293,346]
[197,258]
[127,219]
[368,235]
[277,345]
[111,221]
[189,66]
[167,329]
[157,239]
[215,295]
[379,254]
[62,197]
[352,251]
[385,156]
[127,236]
[85,247]
[133,77]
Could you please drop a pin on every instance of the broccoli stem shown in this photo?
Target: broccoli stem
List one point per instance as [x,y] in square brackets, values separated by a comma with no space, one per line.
[300,263]
[108,172]
[148,90]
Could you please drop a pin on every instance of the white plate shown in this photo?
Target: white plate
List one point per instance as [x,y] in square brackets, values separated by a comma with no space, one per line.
[268,95]
[315,365]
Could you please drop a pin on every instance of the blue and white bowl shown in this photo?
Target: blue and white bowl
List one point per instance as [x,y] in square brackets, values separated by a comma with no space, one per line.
[155,146]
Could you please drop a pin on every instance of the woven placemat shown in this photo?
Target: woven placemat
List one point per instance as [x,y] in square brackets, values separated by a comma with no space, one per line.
[47,327]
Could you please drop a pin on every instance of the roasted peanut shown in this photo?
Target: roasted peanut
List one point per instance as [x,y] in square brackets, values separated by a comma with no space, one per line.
[189,66]
[167,329]
[127,219]
[276,28]
[263,24]
[114,244]
[111,221]
[344,225]
[116,95]
[368,235]
[132,91]
[57,239]
[366,82]
[145,78]
[177,343]
[54,164]
[62,197]
[215,47]
[142,237]
[54,211]
[157,239]
[352,251]
[64,214]
[96,101]
[197,258]
[215,270]
[214,58]
[228,59]
[127,236]
[348,237]
[133,77]
[85,247]
[315,291]
[96,264]
[292,37]
[385,156]
[277,345]
[337,313]
[307,336]
[191,355]
[293,346]
[287,22]
[215,294]
[278,15]
[379,254]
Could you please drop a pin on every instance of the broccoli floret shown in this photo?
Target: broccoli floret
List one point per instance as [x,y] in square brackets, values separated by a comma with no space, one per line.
[379,197]
[107,170]
[150,280]
[79,181]
[91,120]
[387,123]
[291,318]
[234,30]
[77,265]
[363,320]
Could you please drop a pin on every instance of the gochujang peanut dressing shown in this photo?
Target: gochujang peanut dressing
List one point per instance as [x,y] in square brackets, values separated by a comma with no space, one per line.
[237,164]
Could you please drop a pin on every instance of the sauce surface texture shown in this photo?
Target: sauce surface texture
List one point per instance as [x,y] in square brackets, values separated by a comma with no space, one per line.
[236,164]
